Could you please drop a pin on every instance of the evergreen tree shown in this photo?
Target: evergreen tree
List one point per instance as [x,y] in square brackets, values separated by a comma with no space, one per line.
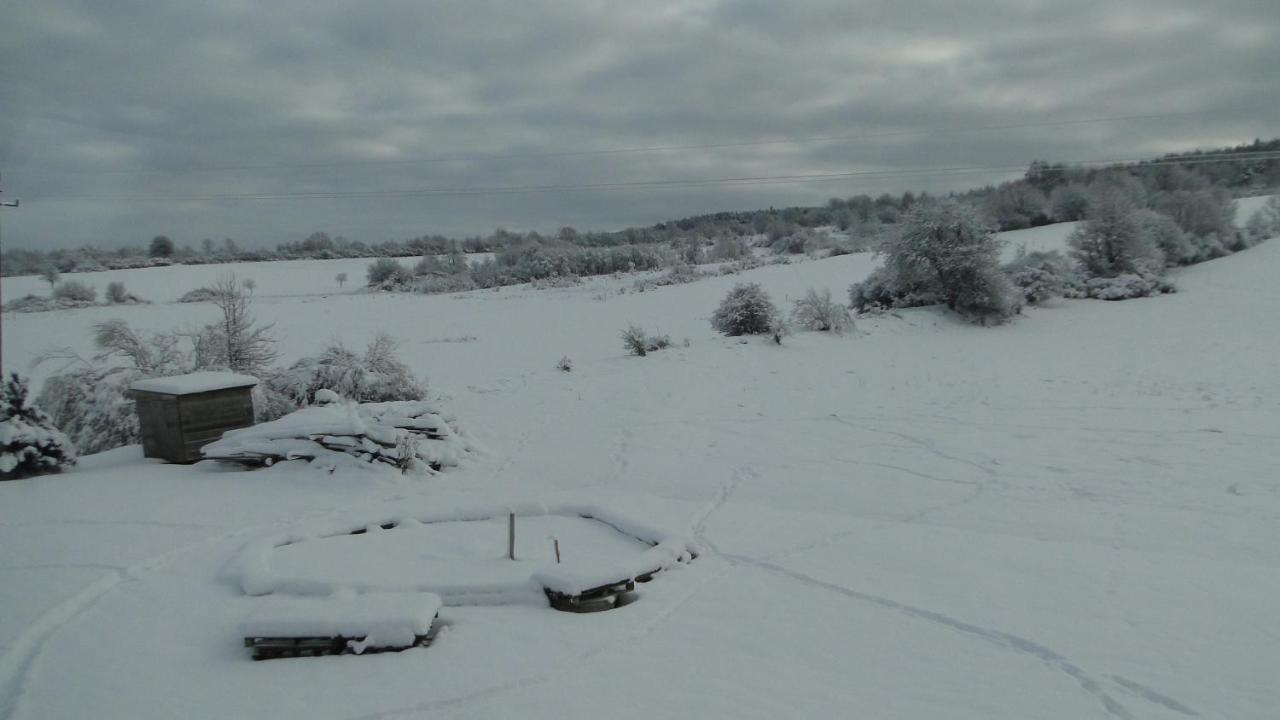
[29,443]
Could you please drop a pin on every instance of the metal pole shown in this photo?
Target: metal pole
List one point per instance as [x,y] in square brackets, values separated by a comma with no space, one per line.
[511,536]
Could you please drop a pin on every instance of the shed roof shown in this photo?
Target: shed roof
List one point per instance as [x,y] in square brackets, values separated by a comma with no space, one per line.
[193,383]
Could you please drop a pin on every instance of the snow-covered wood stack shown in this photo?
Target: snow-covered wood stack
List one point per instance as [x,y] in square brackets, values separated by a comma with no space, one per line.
[405,434]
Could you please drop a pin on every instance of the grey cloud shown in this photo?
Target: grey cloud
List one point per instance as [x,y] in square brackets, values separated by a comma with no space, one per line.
[128,98]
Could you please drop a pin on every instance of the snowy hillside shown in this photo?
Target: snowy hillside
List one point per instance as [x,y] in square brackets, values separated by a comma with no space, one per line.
[1071,516]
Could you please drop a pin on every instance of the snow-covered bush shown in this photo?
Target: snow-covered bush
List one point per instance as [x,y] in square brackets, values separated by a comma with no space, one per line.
[75,290]
[727,248]
[819,312]
[1041,276]
[637,342]
[679,274]
[1176,246]
[944,252]
[437,284]
[565,364]
[1127,286]
[155,355]
[376,376]
[115,292]
[387,274]
[36,303]
[89,404]
[30,444]
[1265,223]
[746,310]
[200,294]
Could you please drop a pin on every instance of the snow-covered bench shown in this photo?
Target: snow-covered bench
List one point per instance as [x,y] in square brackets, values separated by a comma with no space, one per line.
[284,626]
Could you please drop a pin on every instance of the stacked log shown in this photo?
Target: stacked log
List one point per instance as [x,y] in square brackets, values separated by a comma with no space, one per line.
[401,434]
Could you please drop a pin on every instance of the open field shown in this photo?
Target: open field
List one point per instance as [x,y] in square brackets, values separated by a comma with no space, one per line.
[1075,515]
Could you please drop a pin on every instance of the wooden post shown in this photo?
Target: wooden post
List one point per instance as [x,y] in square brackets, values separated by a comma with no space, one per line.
[511,536]
[557,544]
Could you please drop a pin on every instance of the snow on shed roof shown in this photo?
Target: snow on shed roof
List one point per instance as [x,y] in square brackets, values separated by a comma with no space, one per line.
[192,383]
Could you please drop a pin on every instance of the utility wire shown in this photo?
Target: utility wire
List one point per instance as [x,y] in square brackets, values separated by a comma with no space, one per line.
[1199,159]
[481,157]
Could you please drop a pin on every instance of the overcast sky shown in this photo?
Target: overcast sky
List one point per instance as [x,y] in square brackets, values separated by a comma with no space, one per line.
[123,119]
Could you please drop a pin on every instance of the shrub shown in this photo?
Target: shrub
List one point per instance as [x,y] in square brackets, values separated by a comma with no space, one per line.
[1265,223]
[1176,246]
[1127,286]
[746,310]
[818,312]
[377,376]
[727,248]
[76,291]
[387,274]
[678,275]
[436,284]
[636,342]
[116,293]
[200,294]
[90,406]
[30,444]
[1040,276]
[565,364]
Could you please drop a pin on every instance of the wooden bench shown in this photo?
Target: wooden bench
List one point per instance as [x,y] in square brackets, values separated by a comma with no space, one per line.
[282,626]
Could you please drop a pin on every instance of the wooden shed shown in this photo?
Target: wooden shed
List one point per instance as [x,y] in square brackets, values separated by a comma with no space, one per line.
[179,415]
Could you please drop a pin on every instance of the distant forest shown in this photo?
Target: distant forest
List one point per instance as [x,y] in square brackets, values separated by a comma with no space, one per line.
[1047,193]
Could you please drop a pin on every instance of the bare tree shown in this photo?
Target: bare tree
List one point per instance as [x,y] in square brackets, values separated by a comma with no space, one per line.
[236,342]
[50,275]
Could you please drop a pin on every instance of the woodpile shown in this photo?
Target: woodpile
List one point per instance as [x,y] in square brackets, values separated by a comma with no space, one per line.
[403,434]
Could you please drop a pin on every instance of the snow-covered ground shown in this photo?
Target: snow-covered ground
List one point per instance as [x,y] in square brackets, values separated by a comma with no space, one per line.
[285,278]
[1076,515]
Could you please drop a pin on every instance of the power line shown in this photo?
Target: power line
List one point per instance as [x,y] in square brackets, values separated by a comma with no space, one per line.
[661,183]
[481,157]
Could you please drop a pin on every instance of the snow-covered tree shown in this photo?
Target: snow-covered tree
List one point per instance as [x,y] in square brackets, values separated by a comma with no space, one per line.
[746,310]
[49,274]
[1017,205]
[90,405]
[30,444]
[945,253]
[1112,242]
[1070,202]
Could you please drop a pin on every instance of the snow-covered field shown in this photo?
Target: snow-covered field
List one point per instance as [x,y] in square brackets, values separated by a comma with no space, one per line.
[1076,515]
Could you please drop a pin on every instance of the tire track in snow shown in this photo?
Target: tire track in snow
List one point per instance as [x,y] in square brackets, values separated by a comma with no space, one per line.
[24,653]
[999,638]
